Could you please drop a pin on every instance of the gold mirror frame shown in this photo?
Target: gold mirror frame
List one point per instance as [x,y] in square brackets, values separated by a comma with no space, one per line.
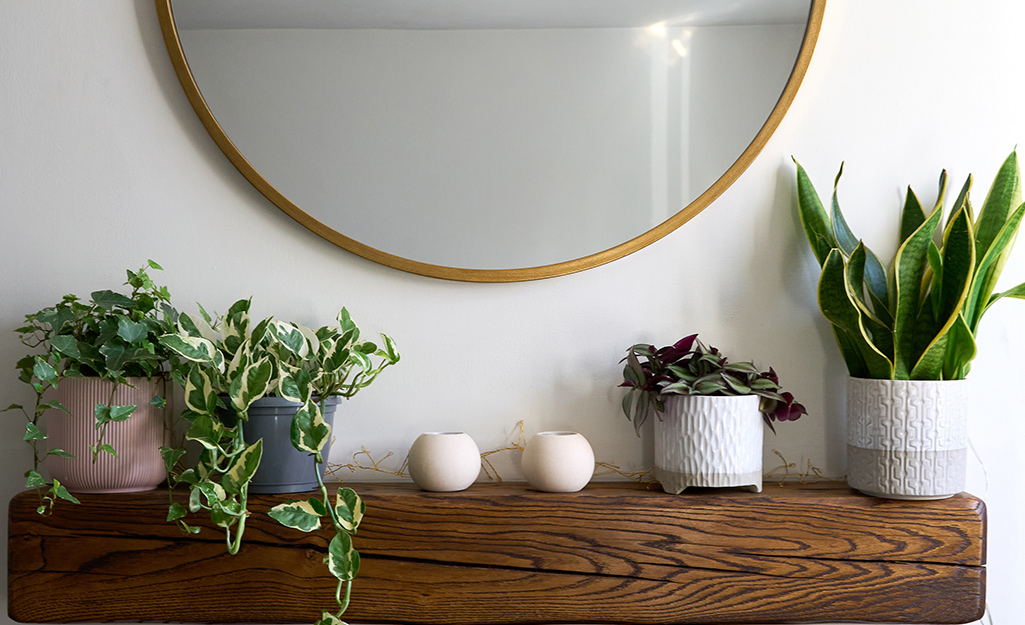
[181,68]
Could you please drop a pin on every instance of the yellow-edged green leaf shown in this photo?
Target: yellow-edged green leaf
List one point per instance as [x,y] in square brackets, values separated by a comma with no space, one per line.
[881,334]
[838,306]
[817,227]
[1003,197]
[988,269]
[909,269]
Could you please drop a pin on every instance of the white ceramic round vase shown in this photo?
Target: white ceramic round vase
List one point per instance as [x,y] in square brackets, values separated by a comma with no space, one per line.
[138,465]
[557,462]
[444,461]
[907,439]
[710,442]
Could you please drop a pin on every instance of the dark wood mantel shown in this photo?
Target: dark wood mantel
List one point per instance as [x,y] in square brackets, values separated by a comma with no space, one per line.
[502,553]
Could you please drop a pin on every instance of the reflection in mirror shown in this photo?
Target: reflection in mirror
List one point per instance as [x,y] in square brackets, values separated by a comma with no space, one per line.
[503,136]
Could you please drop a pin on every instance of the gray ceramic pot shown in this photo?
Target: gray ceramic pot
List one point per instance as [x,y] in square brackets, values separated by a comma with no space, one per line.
[283,468]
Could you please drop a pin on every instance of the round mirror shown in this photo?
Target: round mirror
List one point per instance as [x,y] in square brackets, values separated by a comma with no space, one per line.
[498,140]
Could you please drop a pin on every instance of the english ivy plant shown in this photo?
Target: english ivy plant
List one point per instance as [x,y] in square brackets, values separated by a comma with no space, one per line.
[230,363]
[918,319]
[111,336]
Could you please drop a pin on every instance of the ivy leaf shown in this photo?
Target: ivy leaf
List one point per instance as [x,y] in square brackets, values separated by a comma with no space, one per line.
[176,511]
[57,451]
[63,493]
[34,480]
[44,371]
[131,331]
[107,300]
[32,433]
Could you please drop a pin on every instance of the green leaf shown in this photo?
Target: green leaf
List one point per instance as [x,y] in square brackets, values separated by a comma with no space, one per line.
[176,511]
[350,508]
[295,385]
[913,215]
[1003,197]
[158,402]
[34,480]
[107,300]
[309,431]
[909,269]
[131,331]
[988,269]
[66,345]
[44,371]
[57,451]
[194,348]
[880,333]
[838,306]
[32,433]
[115,356]
[63,493]
[105,448]
[171,456]
[200,394]
[300,515]
[252,384]
[342,560]
[816,223]
[121,413]
[242,468]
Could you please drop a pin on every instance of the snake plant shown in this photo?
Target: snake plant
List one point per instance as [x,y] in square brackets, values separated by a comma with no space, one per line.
[917,319]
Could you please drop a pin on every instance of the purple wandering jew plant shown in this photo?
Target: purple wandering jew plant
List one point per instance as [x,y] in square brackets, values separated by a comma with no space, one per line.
[690,368]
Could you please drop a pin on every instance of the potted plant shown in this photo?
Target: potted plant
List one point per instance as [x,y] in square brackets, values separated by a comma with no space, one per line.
[907,333]
[710,413]
[96,363]
[231,367]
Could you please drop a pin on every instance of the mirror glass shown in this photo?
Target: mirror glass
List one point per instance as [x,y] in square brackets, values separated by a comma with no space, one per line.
[490,135]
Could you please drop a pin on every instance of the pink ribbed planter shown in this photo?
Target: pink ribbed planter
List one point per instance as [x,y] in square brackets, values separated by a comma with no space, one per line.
[137,441]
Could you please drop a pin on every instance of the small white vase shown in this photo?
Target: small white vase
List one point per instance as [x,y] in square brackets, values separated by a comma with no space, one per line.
[138,465]
[558,462]
[907,439]
[710,442]
[444,461]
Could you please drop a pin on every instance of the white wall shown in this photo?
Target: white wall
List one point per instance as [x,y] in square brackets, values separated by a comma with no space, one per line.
[103,164]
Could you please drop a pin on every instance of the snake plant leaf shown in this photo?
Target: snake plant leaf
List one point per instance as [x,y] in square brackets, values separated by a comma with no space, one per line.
[1003,197]
[1017,292]
[874,272]
[961,350]
[958,262]
[838,306]
[909,269]
[912,216]
[880,332]
[989,268]
[814,219]
[300,515]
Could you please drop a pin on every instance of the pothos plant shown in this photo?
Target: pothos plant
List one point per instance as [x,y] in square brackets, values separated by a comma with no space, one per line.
[688,367]
[229,363]
[111,336]
[918,319]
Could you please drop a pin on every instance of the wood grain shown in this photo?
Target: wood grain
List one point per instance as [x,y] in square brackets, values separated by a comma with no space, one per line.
[612,553]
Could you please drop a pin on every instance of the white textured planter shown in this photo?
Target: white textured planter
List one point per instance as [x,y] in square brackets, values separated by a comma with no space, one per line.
[557,462]
[137,441]
[907,439]
[444,461]
[709,441]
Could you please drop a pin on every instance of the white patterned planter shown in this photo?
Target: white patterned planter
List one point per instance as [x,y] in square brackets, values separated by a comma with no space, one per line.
[709,441]
[907,439]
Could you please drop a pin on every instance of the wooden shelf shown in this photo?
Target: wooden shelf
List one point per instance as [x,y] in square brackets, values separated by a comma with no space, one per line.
[612,553]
